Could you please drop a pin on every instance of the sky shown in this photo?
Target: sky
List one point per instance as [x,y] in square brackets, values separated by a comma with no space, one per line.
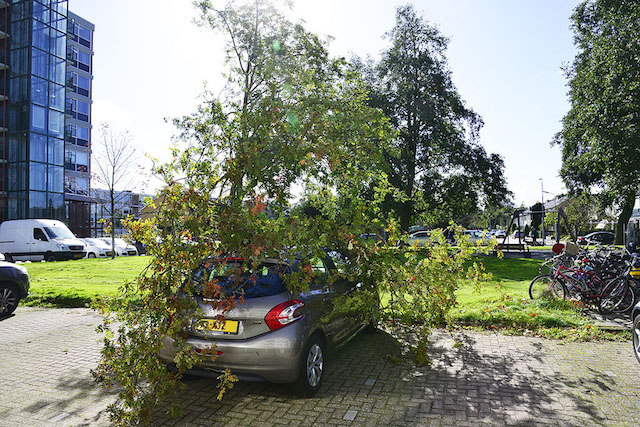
[151,63]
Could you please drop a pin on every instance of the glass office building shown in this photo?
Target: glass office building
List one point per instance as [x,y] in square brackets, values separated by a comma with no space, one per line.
[46,97]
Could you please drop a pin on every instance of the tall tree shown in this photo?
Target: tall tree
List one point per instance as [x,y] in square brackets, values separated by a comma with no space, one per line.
[290,114]
[600,137]
[436,162]
[115,167]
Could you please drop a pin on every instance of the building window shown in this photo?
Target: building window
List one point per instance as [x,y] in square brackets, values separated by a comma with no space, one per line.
[82,35]
[37,148]
[56,151]
[39,91]
[56,123]
[38,176]
[70,160]
[76,185]
[58,43]
[39,61]
[56,179]
[78,135]
[57,96]
[79,84]
[38,118]
[78,109]
[80,59]
[76,161]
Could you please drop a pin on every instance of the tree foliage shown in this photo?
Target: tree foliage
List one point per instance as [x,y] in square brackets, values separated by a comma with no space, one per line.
[435,162]
[290,115]
[579,212]
[600,137]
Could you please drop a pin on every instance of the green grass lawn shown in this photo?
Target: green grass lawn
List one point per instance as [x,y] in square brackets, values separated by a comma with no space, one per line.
[504,303]
[77,283]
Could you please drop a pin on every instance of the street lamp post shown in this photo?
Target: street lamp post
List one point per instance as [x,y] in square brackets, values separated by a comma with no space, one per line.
[543,211]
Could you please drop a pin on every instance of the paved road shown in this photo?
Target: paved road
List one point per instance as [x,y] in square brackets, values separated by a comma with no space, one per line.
[46,355]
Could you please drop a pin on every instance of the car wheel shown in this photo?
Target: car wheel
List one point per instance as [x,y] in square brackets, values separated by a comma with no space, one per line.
[311,368]
[9,298]
[636,336]
[49,257]
[91,255]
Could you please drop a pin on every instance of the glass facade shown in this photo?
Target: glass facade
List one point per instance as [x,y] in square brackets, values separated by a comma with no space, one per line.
[38,48]
[45,112]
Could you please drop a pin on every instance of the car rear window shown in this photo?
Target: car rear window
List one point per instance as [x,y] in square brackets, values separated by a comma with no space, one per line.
[236,279]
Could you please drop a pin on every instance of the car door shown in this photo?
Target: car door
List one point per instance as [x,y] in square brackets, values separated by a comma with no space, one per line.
[352,298]
[334,316]
[39,244]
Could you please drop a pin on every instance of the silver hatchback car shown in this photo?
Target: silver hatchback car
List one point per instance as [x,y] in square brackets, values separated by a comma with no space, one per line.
[276,335]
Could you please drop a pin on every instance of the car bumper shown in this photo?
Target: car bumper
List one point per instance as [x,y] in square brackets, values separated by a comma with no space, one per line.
[62,256]
[274,357]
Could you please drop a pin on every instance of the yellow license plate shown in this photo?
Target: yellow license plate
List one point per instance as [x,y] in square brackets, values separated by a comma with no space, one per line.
[225,326]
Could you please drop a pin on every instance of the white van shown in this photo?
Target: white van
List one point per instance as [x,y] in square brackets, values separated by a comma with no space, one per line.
[38,239]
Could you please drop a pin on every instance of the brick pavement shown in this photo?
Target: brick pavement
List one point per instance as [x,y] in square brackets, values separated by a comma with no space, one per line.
[488,379]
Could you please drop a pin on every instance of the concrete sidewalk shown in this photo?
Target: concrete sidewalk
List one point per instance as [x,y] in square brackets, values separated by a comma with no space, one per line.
[484,379]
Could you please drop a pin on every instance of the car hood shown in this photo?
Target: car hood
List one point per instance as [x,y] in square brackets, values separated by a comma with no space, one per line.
[10,270]
[74,242]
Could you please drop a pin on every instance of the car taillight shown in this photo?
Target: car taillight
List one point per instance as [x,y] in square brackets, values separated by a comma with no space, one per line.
[284,314]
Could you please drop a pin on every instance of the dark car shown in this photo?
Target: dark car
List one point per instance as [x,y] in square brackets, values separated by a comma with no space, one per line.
[276,335]
[635,331]
[14,286]
[601,237]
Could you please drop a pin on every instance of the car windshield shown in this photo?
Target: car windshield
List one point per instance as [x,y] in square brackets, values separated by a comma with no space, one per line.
[94,242]
[59,233]
[236,279]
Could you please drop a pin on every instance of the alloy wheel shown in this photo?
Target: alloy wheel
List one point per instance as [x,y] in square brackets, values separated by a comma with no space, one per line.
[314,365]
[7,300]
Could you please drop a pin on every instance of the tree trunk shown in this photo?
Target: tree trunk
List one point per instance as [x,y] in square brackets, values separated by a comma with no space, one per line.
[623,218]
[113,224]
[405,214]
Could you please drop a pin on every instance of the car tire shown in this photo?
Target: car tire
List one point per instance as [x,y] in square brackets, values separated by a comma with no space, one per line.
[9,299]
[91,255]
[635,331]
[49,257]
[311,368]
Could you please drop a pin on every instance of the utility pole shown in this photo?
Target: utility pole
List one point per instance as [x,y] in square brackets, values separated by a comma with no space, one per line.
[543,211]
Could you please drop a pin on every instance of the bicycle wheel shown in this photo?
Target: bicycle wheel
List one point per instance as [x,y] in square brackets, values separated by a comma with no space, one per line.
[628,302]
[545,286]
[613,295]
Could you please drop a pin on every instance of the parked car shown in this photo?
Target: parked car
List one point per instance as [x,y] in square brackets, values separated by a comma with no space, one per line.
[500,234]
[96,248]
[14,286]
[39,239]
[276,335]
[475,236]
[518,234]
[421,239]
[602,237]
[635,330]
[122,248]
